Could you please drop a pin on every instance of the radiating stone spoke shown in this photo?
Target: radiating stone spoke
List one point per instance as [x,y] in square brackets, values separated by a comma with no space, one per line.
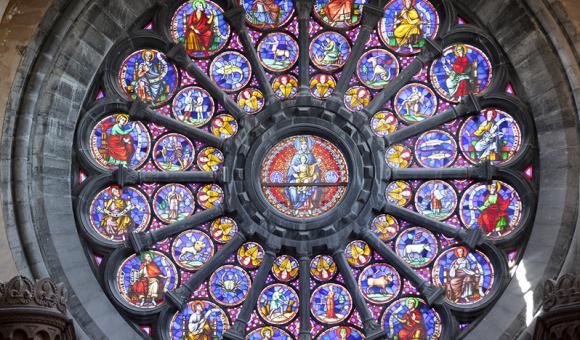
[238,330]
[483,171]
[471,238]
[433,295]
[372,12]
[303,10]
[304,261]
[141,241]
[430,52]
[140,111]
[235,17]
[180,296]
[179,56]
[124,176]
[470,105]
[371,328]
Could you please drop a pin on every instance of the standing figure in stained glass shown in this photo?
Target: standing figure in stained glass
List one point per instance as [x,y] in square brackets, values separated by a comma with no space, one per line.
[147,281]
[172,151]
[119,143]
[489,135]
[494,215]
[193,105]
[413,322]
[339,11]
[201,27]
[149,78]
[330,313]
[462,282]
[199,325]
[461,74]
[304,168]
[174,199]
[407,25]
[117,211]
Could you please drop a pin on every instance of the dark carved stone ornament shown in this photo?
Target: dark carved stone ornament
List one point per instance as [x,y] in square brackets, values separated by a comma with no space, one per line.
[561,316]
[34,310]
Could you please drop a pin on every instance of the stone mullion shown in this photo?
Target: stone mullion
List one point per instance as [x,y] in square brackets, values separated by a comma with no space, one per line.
[179,56]
[483,171]
[371,328]
[305,329]
[303,10]
[141,241]
[470,105]
[124,176]
[373,11]
[433,295]
[140,111]
[471,238]
[431,51]
[238,329]
[180,296]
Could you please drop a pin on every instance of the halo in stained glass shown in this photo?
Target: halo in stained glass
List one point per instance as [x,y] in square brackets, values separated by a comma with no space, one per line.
[250,255]
[210,159]
[146,75]
[357,98]
[379,283]
[495,208]
[397,318]
[385,227]
[229,285]
[322,267]
[192,249]
[467,277]
[399,156]
[339,14]
[142,280]
[399,193]
[251,100]
[329,51]
[173,202]
[193,106]
[231,71]
[278,304]
[285,86]
[322,85]
[384,123]
[278,52]
[307,160]
[285,268]
[377,67]
[173,152]
[197,318]
[224,126]
[358,253]
[463,69]
[341,332]
[407,24]
[115,211]
[201,27]
[436,149]
[493,135]
[223,229]
[436,199]
[263,14]
[210,196]
[117,141]
[268,332]
[415,102]
[416,246]
[330,303]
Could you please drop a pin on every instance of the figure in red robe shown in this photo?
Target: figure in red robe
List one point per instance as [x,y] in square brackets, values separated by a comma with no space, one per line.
[461,74]
[330,314]
[339,10]
[149,282]
[494,216]
[199,33]
[413,322]
[117,142]
[266,11]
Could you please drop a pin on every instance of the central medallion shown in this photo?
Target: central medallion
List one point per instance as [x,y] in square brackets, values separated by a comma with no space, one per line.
[304,176]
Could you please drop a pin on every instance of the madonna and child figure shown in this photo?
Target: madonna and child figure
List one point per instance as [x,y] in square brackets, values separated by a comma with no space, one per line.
[304,168]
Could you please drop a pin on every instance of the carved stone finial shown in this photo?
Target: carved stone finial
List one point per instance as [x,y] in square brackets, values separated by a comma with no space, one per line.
[560,319]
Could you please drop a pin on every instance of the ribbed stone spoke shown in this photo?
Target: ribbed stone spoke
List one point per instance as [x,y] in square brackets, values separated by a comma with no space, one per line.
[141,241]
[179,297]
[433,295]
[303,10]
[124,176]
[305,330]
[483,171]
[471,238]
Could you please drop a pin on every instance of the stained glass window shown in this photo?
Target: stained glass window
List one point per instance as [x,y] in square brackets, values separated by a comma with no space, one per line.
[329,169]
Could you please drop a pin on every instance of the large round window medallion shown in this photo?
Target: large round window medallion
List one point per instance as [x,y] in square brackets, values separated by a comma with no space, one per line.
[304,176]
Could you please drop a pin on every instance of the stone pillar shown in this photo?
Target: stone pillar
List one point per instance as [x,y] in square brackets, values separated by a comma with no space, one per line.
[31,311]
[560,319]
